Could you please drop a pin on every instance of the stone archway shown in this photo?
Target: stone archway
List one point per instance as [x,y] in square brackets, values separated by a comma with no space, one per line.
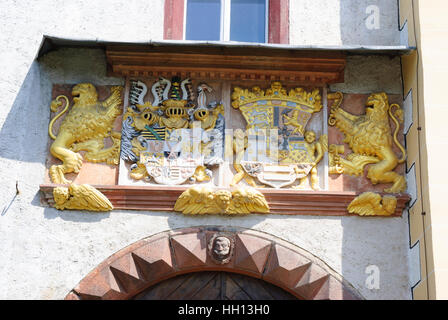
[152,260]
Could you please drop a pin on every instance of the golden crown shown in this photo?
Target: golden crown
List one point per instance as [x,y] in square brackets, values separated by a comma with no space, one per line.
[277,94]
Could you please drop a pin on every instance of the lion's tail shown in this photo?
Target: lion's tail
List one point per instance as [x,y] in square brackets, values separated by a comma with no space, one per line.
[337,97]
[399,114]
[55,104]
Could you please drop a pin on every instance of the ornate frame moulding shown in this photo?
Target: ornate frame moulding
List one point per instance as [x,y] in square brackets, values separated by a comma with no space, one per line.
[288,202]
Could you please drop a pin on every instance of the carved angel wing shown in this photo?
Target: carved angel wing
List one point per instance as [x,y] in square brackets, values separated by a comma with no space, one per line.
[257,201]
[370,204]
[365,204]
[193,201]
[86,197]
[247,200]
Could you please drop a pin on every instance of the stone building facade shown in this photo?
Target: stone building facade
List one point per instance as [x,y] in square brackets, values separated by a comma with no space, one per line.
[50,46]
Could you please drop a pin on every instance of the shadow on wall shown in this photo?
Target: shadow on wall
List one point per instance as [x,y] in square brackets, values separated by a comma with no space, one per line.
[369,22]
[24,131]
[24,134]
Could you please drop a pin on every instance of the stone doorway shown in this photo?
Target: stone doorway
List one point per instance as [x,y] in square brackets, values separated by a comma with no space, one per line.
[214,285]
[255,259]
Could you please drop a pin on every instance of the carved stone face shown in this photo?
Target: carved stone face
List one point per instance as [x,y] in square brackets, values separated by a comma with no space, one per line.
[220,249]
[310,136]
[222,198]
[61,195]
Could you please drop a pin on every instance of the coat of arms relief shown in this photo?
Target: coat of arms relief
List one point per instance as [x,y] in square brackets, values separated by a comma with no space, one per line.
[175,139]
[225,148]
[286,151]
[180,136]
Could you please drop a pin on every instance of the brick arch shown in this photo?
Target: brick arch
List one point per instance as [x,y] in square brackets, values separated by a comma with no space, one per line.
[168,254]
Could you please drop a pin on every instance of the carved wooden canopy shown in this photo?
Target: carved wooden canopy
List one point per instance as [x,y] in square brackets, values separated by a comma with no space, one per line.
[228,63]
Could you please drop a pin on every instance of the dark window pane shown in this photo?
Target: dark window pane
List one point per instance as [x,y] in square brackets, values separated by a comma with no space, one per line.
[203,20]
[248,20]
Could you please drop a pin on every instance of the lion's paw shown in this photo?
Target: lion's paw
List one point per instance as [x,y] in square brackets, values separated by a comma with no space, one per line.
[73,163]
[398,187]
[57,175]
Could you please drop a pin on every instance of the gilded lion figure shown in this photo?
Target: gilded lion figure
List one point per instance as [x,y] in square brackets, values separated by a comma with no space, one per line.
[370,138]
[85,127]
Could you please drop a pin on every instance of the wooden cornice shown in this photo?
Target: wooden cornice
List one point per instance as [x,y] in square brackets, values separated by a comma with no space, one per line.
[287,202]
[228,63]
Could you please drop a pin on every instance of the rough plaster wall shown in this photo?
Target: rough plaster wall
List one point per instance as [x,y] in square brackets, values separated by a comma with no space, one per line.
[45,253]
[31,249]
[368,74]
[24,22]
[342,22]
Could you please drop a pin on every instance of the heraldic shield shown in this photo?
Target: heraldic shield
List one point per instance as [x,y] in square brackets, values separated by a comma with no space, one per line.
[175,139]
[278,149]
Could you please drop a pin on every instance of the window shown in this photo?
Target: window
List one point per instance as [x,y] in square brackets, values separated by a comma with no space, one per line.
[234,20]
[227,20]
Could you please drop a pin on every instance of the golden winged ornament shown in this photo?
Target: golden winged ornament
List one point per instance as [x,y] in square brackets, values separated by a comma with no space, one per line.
[372,204]
[204,200]
[80,197]
[247,200]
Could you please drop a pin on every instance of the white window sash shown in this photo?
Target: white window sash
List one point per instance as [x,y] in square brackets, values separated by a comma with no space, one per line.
[225,20]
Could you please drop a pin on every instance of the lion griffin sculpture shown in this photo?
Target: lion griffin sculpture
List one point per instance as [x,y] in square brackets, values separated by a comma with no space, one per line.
[85,127]
[369,136]
[205,200]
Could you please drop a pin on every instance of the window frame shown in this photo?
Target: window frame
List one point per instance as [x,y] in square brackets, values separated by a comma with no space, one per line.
[277,25]
[225,22]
